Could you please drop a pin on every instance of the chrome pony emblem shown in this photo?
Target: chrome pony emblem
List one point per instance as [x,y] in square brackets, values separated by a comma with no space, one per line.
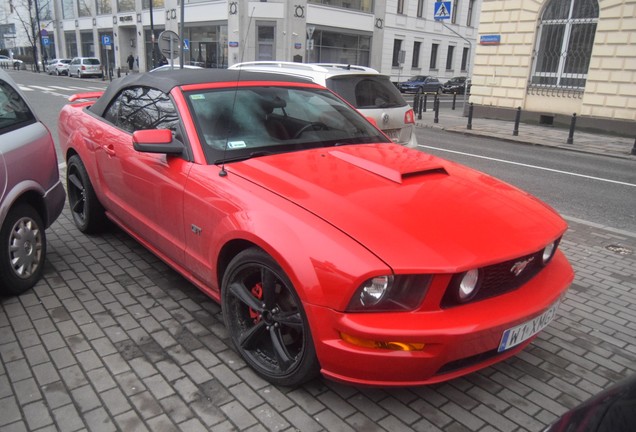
[520,266]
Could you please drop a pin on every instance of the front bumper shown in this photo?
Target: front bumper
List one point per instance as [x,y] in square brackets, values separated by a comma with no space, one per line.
[457,340]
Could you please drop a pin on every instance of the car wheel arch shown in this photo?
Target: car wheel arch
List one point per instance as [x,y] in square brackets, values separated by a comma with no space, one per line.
[29,193]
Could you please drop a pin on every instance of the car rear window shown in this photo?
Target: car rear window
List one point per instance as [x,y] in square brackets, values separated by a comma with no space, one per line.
[367,91]
[91,61]
[65,61]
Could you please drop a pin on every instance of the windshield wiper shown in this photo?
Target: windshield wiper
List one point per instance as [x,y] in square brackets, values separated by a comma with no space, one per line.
[244,157]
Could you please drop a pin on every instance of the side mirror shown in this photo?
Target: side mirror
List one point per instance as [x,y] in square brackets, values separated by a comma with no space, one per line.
[156,141]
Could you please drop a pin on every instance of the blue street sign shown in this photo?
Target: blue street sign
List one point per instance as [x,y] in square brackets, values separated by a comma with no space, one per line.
[491,39]
[45,41]
[106,40]
[442,10]
[186,44]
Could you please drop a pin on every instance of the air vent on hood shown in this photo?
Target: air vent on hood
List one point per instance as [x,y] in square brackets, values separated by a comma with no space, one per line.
[389,172]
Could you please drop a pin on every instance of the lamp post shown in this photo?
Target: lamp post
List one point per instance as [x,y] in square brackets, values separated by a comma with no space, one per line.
[152,38]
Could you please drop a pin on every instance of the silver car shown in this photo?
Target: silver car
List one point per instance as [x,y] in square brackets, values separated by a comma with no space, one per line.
[31,194]
[8,62]
[58,66]
[85,66]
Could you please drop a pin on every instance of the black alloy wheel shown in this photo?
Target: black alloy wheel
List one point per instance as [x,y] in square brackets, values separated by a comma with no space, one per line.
[266,320]
[88,213]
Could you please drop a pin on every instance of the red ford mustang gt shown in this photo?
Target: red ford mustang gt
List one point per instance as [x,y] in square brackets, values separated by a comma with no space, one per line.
[330,248]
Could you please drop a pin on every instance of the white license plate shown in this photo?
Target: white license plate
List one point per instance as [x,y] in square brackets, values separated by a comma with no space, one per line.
[394,134]
[516,335]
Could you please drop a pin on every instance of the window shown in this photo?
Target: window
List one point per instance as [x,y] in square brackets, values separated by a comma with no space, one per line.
[14,112]
[471,9]
[68,11]
[361,5]
[155,4]
[454,11]
[339,47]
[84,8]
[126,5]
[104,7]
[564,44]
[434,49]
[416,54]
[465,54]
[420,8]
[449,57]
[142,108]
[397,47]
[265,43]
[400,7]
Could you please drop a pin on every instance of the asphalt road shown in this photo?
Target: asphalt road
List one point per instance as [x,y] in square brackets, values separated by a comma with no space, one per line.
[593,188]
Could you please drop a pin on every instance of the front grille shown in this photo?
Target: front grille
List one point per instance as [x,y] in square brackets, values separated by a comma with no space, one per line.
[497,279]
[467,362]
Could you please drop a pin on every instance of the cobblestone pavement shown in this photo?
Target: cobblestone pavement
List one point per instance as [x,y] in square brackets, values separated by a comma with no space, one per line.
[113,339]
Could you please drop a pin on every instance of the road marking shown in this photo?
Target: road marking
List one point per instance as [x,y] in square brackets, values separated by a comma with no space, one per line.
[23,88]
[40,88]
[532,166]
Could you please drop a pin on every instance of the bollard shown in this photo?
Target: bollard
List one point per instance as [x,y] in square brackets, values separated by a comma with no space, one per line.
[469,126]
[515,132]
[454,99]
[634,148]
[572,125]
[119,73]
[425,100]
[436,108]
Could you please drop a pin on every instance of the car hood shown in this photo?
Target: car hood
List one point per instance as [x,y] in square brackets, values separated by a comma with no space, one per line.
[413,210]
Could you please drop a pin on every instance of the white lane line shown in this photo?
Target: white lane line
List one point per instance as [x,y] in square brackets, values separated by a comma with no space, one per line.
[532,166]
[23,88]
[40,88]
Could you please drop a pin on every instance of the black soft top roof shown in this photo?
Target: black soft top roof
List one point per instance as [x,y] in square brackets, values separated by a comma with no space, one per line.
[167,80]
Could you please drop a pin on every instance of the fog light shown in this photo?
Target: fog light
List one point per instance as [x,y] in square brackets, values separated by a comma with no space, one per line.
[468,285]
[548,252]
[391,345]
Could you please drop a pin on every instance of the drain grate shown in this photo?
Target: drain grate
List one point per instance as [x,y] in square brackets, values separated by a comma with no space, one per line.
[619,249]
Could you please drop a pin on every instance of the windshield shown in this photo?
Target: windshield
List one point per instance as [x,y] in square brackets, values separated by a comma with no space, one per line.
[417,78]
[244,122]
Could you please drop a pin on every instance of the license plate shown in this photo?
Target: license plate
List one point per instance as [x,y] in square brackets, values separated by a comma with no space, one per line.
[394,134]
[516,335]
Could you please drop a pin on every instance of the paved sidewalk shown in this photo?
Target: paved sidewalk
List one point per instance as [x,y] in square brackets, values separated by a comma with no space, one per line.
[113,340]
[454,121]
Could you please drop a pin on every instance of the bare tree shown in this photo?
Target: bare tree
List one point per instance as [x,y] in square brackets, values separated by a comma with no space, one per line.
[28,13]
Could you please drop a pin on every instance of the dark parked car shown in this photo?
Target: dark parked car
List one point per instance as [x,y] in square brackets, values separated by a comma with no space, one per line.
[612,410]
[456,85]
[31,194]
[421,84]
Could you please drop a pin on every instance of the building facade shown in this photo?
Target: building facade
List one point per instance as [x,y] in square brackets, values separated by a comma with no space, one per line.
[398,37]
[555,58]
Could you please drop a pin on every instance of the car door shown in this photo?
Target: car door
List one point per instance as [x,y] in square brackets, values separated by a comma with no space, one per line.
[144,191]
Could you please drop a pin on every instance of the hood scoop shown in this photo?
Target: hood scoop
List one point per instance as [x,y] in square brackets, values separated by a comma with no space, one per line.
[398,173]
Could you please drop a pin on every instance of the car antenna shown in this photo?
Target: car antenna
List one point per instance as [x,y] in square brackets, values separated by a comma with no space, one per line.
[223,172]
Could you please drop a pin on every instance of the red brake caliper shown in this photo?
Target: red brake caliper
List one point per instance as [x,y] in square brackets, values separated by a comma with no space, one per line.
[257,290]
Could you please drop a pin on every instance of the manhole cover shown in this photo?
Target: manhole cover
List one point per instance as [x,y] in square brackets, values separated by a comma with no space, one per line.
[619,249]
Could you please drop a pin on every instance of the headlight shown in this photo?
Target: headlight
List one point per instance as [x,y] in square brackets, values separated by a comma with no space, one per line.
[389,293]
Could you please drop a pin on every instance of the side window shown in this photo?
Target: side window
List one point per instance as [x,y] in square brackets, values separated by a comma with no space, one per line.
[14,112]
[141,108]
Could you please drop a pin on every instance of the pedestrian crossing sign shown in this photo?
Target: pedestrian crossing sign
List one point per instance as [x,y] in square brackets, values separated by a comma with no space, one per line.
[442,10]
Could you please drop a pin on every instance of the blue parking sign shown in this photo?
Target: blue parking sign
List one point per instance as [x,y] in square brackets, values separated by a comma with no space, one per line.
[106,40]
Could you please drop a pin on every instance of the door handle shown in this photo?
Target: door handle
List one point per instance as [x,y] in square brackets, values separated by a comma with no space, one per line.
[109,149]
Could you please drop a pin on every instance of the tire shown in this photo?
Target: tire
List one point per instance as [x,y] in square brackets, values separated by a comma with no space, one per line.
[88,212]
[266,321]
[57,72]
[22,249]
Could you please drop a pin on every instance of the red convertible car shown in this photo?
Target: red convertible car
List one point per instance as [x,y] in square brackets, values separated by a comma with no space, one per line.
[329,248]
